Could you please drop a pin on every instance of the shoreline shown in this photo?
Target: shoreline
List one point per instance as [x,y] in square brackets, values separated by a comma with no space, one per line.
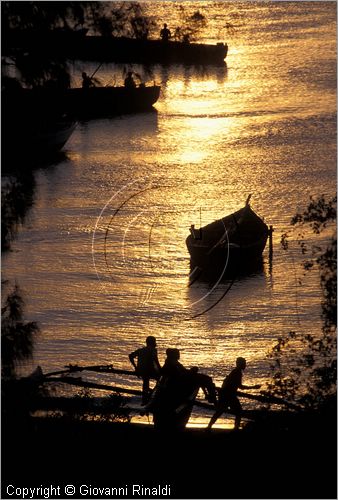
[260,462]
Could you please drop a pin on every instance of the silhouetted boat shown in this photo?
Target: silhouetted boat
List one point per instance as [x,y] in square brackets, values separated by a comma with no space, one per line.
[105,101]
[32,127]
[36,138]
[171,402]
[237,238]
[52,138]
[74,44]
[122,49]
[79,102]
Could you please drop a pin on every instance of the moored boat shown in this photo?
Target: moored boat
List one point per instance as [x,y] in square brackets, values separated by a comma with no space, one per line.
[52,138]
[82,102]
[74,44]
[36,138]
[103,101]
[32,127]
[238,238]
[122,49]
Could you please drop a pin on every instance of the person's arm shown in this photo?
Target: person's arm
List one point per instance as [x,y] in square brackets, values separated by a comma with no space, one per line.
[156,361]
[132,357]
[243,386]
[257,386]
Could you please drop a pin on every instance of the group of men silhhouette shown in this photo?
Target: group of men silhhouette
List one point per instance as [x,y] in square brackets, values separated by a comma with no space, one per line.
[172,399]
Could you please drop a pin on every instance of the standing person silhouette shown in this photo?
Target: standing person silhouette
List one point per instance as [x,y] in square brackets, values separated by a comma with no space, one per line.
[87,81]
[147,365]
[174,396]
[129,81]
[228,394]
[165,33]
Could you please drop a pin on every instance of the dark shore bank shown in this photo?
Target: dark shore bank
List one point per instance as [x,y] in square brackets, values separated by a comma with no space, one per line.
[299,462]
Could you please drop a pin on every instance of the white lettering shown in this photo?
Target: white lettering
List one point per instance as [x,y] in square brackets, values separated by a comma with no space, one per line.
[84,489]
[45,492]
[8,490]
[136,489]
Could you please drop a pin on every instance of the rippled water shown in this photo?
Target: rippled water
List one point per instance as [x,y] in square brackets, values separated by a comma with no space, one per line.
[102,256]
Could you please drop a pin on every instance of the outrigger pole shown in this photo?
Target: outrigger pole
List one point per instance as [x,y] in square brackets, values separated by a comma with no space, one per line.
[111,369]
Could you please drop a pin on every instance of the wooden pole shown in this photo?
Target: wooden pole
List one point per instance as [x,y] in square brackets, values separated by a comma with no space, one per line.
[271,230]
[93,368]
[123,390]
[93,385]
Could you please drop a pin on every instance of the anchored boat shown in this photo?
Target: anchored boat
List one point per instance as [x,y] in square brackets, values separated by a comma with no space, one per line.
[82,103]
[103,101]
[76,44]
[238,238]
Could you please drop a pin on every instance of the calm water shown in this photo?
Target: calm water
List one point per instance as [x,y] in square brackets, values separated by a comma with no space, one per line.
[99,280]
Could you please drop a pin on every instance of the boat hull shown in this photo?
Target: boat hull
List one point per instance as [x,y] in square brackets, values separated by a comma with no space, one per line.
[103,101]
[82,103]
[38,139]
[233,243]
[76,45]
[122,49]
[226,257]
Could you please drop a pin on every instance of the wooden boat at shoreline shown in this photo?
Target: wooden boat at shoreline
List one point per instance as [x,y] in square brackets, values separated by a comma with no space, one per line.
[105,101]
[128,50]
[52,138]
[73,44]
[32,128]
[69,376]
[237,239]
[36,138]
[83,103]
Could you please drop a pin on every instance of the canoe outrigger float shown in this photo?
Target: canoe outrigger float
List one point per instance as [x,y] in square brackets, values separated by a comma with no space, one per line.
[169,412]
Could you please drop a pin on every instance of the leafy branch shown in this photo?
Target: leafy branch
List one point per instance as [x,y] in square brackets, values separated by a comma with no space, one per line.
[304,366]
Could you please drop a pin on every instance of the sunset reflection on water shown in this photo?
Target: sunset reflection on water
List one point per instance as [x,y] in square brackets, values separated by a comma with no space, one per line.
[103,259]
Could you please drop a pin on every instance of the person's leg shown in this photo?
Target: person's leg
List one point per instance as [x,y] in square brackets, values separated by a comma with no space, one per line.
[237,409]
[215,416]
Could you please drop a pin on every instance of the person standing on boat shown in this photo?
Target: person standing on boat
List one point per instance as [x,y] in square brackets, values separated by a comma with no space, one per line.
[165,33]
[228,394]
[147,365]
[87,81]
[129,81]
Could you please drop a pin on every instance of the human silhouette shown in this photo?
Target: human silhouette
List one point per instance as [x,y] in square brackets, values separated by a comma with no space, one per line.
[87,81]
[228,394]
[173,398]
[147,365]
[165,33]
[129,81]
[172,367]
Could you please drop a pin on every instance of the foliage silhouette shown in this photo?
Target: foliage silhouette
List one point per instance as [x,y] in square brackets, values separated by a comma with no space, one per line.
[17,336]
[43,19]
[190,26]
[16,199]
[304,366]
